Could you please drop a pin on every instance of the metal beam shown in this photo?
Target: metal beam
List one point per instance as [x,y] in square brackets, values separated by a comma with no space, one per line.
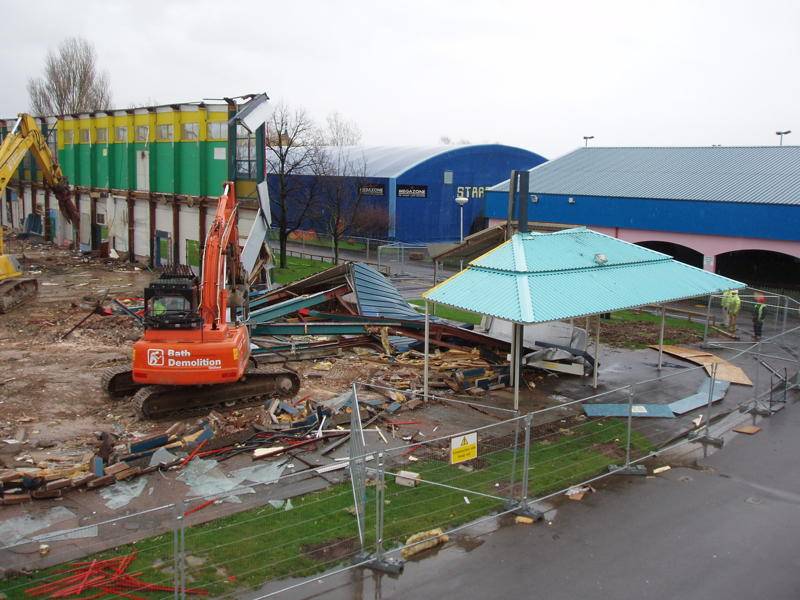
[311,328]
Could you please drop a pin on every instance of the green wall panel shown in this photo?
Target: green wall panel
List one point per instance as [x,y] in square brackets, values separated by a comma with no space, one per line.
[188,164]
[84,164]
[164,155]
[100,163]
[216,171]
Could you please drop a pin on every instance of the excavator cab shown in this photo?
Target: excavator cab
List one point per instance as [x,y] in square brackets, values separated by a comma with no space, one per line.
[172,301]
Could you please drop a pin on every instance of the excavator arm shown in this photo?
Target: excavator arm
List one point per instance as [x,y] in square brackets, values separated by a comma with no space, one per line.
[26,137]
[221,261]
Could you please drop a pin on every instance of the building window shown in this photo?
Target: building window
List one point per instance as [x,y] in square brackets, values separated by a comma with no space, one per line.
[142,133]
[121,135]
[164,132]
[84,136]
[68,137]
[245,154]
[218,130]
[190,132]
[102,135]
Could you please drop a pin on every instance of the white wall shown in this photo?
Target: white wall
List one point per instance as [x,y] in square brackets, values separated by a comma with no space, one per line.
[189,225]
[141,224]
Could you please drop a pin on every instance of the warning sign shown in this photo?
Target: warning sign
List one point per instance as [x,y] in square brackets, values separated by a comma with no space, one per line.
[463,447]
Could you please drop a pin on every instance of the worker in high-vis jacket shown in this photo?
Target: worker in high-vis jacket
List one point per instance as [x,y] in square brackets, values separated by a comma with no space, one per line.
[734,304]
[726,300]
[758,317]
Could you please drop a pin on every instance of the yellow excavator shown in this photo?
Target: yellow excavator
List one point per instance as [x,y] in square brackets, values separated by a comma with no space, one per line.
[24,137]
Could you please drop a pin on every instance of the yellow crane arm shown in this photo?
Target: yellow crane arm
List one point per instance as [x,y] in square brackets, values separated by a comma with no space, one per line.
[24,137]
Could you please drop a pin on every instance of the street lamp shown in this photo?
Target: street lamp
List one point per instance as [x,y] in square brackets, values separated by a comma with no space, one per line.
[461,201]
[586,139]
[783,133]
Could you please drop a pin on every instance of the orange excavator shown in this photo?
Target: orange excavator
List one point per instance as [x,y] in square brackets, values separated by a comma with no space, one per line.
[196,348]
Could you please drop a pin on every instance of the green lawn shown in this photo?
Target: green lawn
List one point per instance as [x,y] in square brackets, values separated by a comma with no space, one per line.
[246,549]
[298,268]
[453,314]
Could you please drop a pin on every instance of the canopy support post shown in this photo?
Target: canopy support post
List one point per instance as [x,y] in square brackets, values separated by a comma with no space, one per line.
[596,354]
[516,343]
[427,351]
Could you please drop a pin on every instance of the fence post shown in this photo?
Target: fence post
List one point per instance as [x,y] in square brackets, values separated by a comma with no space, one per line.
[379,562]
[515,452]
[367,249]
[379,504]
[628,468]
[176,561]
[181,567]
[522,506]
[705,437]
[526,460]
[708,317]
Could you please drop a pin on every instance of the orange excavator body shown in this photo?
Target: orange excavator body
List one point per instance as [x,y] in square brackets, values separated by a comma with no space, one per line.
[188,338]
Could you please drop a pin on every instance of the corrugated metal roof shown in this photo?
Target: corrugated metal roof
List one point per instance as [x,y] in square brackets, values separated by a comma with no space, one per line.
[376,297]
[538,277]
[377,161]
[759,174]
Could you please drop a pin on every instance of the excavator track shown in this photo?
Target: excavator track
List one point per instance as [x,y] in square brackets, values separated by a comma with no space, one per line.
[16,290]
[162,401]
[118,382]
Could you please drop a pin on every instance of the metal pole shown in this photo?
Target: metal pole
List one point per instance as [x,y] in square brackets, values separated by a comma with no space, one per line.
[176,582]
[785,312]
[515,354]
[630,426]
[526,458]
[182,553]
[596,354]
[435,270]
[367,249]
[461,229]
[661,336]
[379,494]
[515,452]
[708,317]
[710,398]
[425,385]
[758,373]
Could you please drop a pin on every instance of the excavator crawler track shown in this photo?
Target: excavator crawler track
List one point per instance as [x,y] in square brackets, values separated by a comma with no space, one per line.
[15,291]
[162,401]
[118,382]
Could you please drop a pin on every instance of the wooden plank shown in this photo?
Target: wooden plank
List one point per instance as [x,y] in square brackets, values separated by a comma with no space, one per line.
[728,372]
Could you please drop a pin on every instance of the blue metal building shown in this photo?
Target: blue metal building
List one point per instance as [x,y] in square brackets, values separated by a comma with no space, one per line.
[733,210]
[418,185]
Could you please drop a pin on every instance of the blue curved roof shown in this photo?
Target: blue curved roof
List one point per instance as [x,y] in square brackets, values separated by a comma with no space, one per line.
[393,161]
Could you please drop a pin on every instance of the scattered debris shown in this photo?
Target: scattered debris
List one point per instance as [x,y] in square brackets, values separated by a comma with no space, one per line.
[106,577]
[425,540]
[748,429]
[663,469]
[577,493]
[522,520]
[407,478]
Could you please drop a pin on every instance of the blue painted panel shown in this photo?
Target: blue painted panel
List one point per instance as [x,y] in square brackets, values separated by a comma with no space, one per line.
[680,407]
[621,410]
[768,221]
[475,168]
[377,297]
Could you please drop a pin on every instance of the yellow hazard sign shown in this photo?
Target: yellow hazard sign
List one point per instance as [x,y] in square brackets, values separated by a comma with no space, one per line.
[463,447]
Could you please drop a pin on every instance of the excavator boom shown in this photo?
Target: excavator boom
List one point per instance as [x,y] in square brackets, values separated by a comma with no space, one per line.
[25,137]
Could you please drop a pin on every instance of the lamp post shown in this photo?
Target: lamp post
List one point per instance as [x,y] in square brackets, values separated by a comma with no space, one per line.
[461,201]
[586,139]
[781,134]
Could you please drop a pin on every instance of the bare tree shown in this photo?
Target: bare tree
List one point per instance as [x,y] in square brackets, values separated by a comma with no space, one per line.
[342,172]
[72,81]
[293,149]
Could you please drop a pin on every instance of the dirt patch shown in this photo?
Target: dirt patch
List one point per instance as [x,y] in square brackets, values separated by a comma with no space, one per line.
[638,334]
[332,550]
[610,449]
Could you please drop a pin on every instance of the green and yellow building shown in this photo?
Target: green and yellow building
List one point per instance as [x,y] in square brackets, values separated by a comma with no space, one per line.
[145,179]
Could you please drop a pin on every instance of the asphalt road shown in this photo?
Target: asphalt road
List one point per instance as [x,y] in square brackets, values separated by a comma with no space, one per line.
[730,529]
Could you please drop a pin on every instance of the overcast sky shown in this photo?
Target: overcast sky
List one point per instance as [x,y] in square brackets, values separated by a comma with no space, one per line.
[535,74]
